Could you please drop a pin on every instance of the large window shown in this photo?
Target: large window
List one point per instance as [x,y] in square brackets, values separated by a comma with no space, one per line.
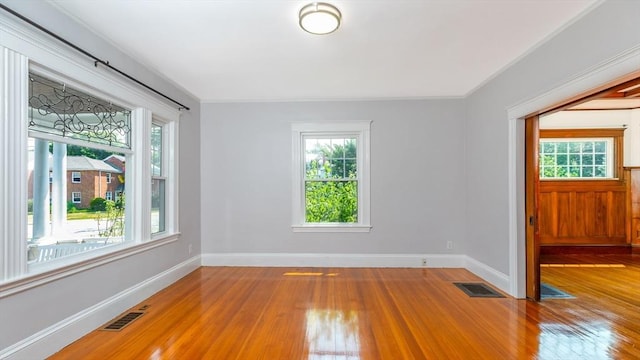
[331,176]
[69,134]
[580,154]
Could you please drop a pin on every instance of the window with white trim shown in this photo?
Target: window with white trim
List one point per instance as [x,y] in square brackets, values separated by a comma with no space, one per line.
[45,109]
[331,176]
[108,177]
[108,196]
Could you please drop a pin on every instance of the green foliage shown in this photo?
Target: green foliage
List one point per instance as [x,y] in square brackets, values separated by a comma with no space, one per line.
[331,201]
[75,150]
[98,204]
[331,189]
[71,207]
[111,220]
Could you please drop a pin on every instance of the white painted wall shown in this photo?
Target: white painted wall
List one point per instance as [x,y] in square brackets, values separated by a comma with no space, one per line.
[28,313]
[417,177]
[595,119]
[606,32]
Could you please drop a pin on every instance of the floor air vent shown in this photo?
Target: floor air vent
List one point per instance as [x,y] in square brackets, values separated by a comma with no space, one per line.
[478,290]
[123,321]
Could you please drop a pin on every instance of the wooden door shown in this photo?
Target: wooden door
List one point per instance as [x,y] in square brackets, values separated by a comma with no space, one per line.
[532,189]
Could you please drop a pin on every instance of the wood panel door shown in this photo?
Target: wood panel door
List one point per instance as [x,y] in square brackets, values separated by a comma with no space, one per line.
[532,190]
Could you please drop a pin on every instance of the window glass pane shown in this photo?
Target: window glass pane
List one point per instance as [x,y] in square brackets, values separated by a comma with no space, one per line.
[562,148]
[157,205]
[576,159]
[61,110]
[331,201]
[330,158]
[156,150]
[67,217]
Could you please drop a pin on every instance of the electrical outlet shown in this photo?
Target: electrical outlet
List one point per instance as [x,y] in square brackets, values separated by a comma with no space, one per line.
[190,249]
[449,245]
[424,262]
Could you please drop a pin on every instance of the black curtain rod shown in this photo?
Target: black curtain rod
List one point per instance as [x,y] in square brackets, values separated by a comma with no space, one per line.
[96,60]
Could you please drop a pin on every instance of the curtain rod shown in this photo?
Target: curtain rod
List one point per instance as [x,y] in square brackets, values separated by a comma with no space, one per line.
[96,60]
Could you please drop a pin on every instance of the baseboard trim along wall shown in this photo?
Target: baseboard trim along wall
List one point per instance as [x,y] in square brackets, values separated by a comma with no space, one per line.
[480,269]
[50,340]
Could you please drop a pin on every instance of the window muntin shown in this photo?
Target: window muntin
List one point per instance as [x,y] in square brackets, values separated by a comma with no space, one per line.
[576,158]
[76,177]
[331,179]
[331,176]
[76,197]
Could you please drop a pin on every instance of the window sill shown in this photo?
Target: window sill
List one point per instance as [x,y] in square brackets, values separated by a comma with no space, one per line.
[42,274]
[331,228]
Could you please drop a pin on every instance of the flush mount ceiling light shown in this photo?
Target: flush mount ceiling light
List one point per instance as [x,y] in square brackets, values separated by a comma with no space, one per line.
[320,18]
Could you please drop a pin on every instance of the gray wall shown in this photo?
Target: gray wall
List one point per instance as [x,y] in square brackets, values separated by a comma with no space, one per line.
[28,312]
[604,33]
[417,177]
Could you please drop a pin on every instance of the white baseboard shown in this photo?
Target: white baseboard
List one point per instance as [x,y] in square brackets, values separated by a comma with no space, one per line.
[50,340]
[491,275]
[332,260]
[480,269]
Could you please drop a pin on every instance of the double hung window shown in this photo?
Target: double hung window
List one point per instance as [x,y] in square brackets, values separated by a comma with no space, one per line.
[331,176]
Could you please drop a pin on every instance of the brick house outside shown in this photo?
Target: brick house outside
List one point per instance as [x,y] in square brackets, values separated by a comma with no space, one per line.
[90,178]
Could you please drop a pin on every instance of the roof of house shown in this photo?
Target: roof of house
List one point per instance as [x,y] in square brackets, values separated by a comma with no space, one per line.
[83,163]
[118,157]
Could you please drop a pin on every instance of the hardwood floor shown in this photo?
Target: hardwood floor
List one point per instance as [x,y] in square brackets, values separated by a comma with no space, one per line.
[337,313]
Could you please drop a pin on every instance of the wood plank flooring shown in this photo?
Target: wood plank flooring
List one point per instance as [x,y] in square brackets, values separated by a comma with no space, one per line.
[338,313]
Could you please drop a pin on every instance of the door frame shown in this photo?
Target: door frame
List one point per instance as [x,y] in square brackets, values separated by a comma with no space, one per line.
[618,69]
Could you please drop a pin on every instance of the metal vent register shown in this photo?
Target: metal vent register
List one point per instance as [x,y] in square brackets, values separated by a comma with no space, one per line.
[123,321]
[478,290]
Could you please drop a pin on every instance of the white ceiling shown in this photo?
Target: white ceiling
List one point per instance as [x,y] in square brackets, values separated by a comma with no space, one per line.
[245,50]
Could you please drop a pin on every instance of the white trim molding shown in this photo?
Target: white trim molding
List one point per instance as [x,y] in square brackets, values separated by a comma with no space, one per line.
[618,66]
[50,340]
[334,260]
[13,162]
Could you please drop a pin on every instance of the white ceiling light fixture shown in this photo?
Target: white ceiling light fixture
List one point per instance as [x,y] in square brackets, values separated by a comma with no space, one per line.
[320,18]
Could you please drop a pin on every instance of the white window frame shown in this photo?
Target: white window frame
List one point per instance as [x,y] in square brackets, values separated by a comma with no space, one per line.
[25,49]
[361,130]
[76,175]
[169,174]
[108,195]
[108,177]
[73,197]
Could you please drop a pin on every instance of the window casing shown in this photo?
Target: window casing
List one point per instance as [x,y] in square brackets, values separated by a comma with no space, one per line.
[108,195]
[108,178]
[27,50]
[331,177]
[76,177]
[76,197]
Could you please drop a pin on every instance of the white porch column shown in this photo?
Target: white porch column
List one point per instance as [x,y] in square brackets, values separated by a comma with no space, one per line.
[41,190]
[59,189]
[14,91]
